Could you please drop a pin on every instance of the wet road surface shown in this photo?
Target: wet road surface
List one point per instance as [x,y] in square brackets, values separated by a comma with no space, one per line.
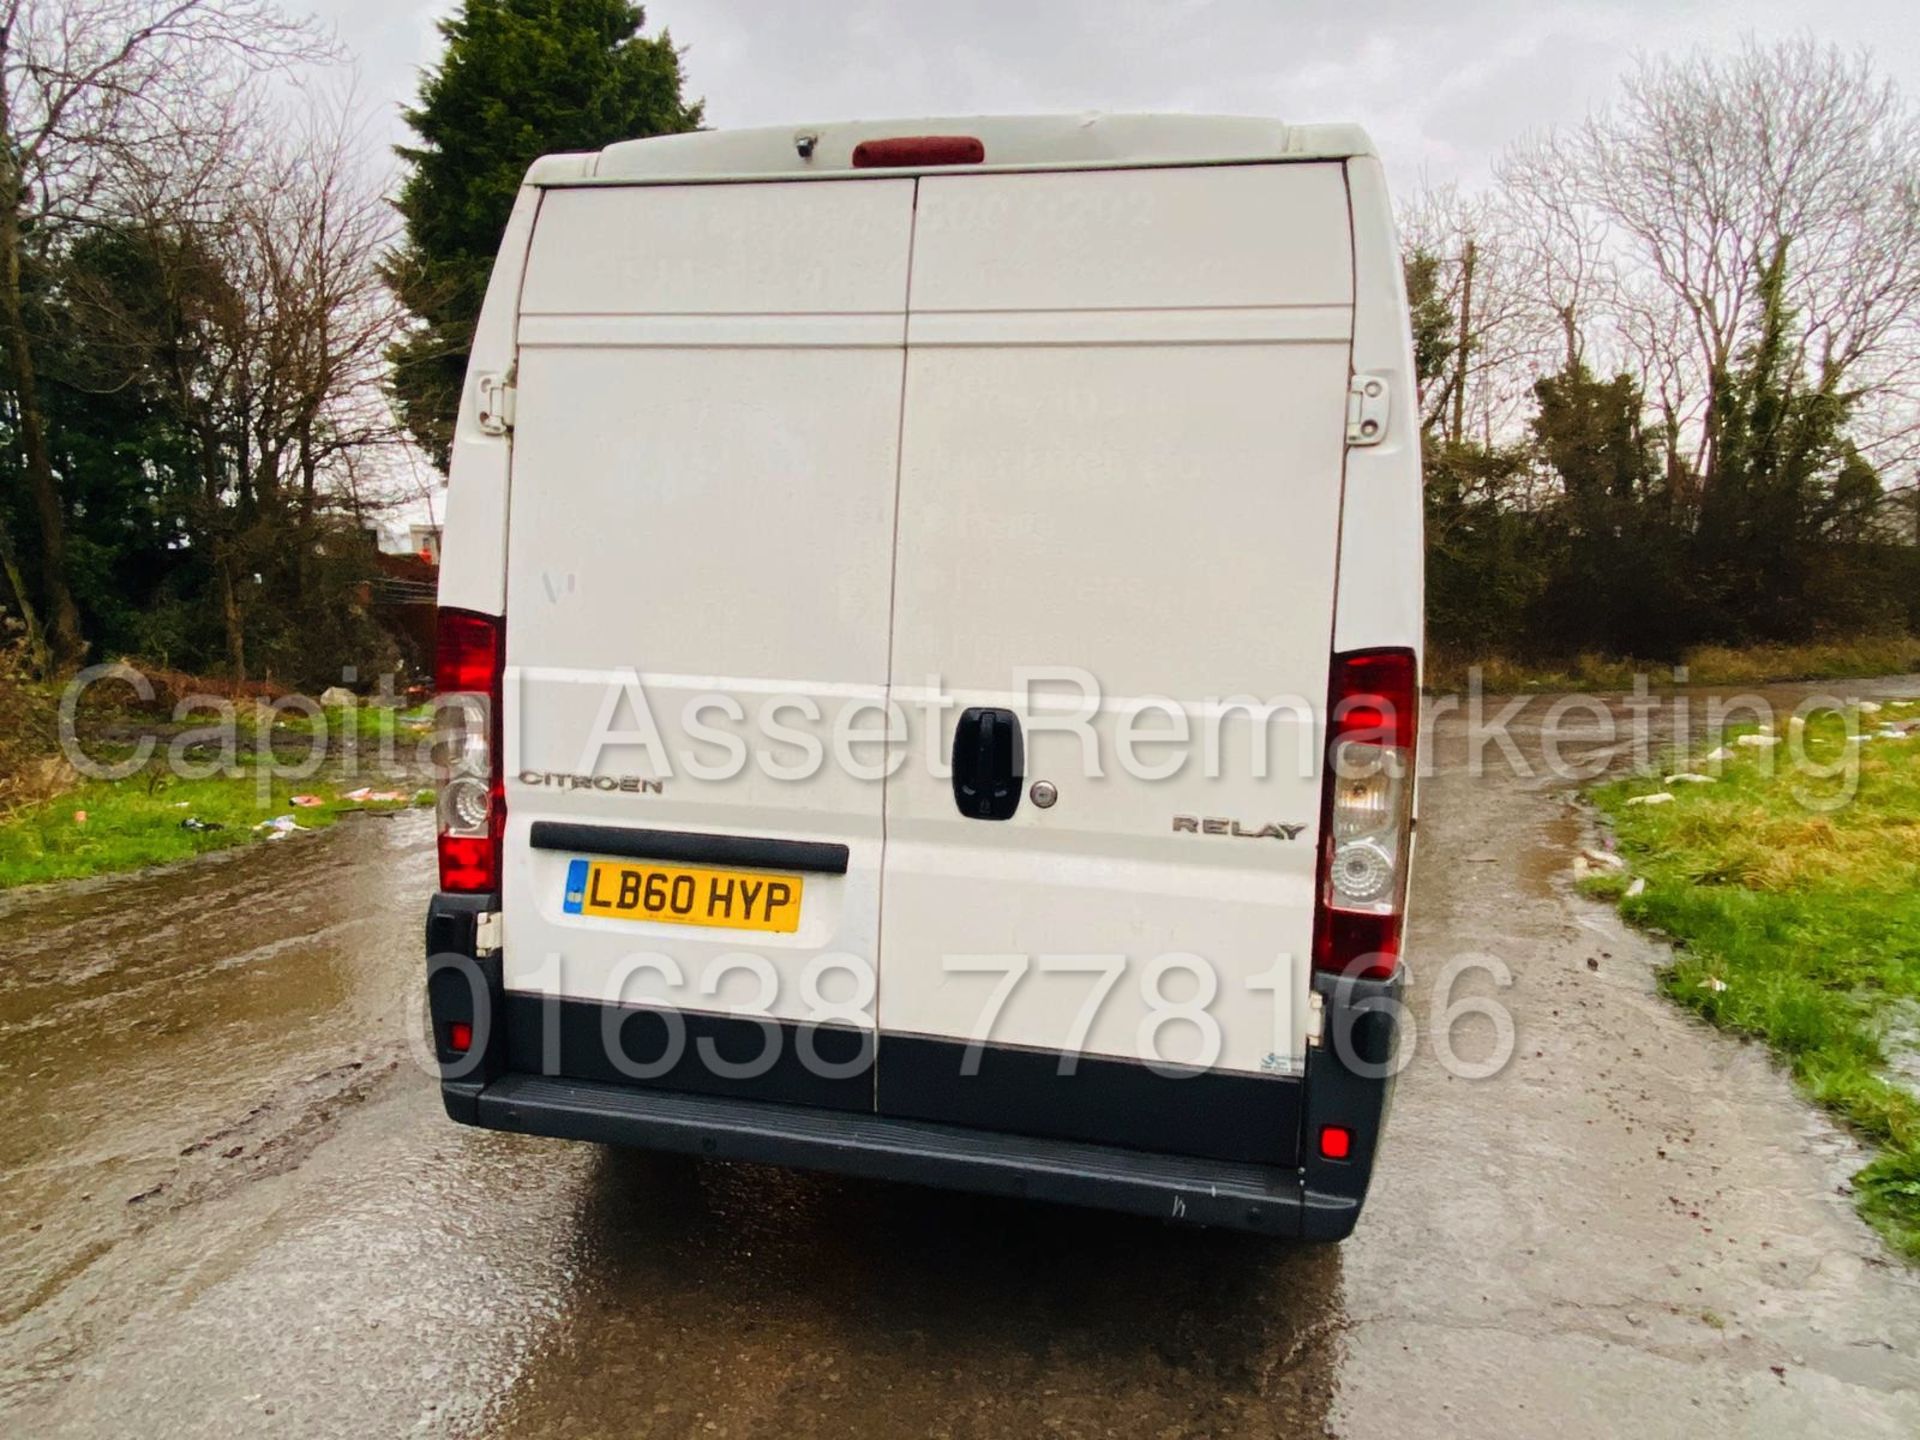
[233,1206]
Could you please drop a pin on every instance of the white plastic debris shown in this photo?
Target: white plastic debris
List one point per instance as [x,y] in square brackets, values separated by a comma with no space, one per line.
[1869,707]
[279,827]
[1638,887]
[1713,983]
[1603,860]
[1687,777]
[1758,742]
[1659,797]
[1721,754]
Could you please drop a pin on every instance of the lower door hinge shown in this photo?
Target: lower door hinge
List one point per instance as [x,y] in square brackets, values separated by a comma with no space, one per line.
[1316,1019]
[487,930]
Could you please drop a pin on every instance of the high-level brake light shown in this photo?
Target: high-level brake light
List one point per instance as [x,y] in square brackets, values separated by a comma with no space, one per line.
[915,150]
[469,665]
[1367,812]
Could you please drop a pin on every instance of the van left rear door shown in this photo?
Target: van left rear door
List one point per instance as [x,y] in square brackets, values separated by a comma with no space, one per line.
[704,469]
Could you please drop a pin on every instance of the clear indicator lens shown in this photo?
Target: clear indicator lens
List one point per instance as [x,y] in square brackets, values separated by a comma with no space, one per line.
[1362,805]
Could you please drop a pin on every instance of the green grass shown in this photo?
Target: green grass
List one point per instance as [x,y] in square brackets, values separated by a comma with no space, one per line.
[1794,899]
[1856,658]
[132,823]
[367,724]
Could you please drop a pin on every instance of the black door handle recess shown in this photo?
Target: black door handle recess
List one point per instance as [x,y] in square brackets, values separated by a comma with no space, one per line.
[989,763]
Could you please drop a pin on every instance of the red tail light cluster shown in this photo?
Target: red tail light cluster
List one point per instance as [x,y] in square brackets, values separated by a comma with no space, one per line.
[1366,826]
[470,654]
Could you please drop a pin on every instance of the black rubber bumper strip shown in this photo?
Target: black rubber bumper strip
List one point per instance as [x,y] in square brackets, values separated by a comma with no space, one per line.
[817,857]
[1261,1198]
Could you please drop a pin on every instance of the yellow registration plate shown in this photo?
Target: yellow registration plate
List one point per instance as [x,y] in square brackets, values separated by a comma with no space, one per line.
[684,895]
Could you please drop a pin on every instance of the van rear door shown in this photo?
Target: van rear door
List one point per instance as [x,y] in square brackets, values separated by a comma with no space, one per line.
[1119,524]
[704,468]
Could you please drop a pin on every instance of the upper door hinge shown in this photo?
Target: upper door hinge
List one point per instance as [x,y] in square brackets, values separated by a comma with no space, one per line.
[495,397]
[1367,407]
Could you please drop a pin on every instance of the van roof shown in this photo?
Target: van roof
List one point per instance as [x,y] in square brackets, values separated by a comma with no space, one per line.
[1011,142]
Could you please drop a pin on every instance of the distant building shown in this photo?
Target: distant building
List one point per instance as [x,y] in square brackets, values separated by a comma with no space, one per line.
[417,541]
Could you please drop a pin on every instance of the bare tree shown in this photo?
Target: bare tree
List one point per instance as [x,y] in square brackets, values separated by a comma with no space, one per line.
[85,87]
[1707,167]
[1478,279]
[1563,273]
[264,327]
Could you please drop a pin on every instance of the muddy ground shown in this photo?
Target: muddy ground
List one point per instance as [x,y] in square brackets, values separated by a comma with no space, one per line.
[232,1206]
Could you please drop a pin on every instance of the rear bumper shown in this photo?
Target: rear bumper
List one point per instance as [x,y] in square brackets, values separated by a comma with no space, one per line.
[881,1147]
[1347,1083]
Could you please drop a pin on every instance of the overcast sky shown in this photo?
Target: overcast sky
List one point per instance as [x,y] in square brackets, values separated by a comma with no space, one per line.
[1442,85]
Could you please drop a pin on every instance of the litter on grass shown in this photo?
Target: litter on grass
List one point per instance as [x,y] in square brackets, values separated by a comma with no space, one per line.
[1638,887]
[1659,797]
[1721,754]
[1757,741]
[308,801]
[279,827]
[199,826]
[1687,777]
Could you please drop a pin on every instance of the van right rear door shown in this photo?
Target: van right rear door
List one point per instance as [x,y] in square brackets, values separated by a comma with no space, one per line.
[1119,512]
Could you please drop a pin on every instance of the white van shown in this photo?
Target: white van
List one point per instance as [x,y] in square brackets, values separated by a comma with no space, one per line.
[903,586]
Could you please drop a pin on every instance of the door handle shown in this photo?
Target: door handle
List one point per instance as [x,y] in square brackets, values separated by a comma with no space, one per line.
[989,763]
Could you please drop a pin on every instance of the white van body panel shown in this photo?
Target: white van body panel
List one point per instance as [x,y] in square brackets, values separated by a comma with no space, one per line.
[1382,554]
[473,544]
[1011,142]
[706,457]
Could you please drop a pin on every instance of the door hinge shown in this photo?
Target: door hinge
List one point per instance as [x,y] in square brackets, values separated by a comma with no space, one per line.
[487,936]
[496,396]
[1367,408]
[1316,1019]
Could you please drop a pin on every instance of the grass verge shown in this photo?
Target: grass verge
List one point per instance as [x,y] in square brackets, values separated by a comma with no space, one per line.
[1857,658]
[136,822]
[1791,888]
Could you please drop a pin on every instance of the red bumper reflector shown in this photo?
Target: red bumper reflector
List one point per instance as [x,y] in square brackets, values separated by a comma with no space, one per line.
[1336,1142]
[459,1036]
[918,150]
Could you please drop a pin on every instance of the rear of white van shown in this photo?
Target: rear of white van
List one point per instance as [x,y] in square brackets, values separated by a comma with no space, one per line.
[929,650]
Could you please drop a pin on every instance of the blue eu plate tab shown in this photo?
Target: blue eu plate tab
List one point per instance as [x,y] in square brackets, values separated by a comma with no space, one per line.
[576,885]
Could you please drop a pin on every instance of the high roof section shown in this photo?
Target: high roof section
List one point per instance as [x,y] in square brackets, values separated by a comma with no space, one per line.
[1011,142]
